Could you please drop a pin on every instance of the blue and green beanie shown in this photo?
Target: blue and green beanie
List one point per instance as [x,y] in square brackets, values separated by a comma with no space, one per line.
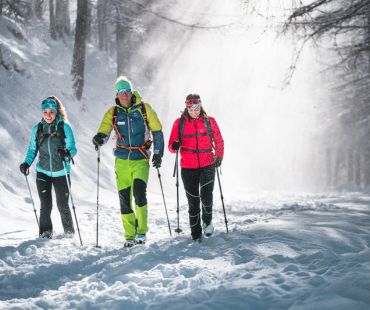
[123,84]
[49,103]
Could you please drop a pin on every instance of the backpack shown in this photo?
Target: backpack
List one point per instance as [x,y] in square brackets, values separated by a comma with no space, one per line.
[206,123]
[147,144]
[143,113]
[40,136]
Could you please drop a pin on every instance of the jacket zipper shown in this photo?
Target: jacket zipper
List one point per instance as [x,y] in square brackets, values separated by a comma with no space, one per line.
[50,159]
[129,134]
[196,141]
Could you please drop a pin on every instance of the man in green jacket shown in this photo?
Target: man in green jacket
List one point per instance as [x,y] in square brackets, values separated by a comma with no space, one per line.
[136,126]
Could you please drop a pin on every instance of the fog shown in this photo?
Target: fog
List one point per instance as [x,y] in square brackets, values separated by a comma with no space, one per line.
[239,66]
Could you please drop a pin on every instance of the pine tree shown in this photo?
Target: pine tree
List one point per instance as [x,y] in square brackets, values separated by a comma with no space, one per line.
[79,52]
[52,28]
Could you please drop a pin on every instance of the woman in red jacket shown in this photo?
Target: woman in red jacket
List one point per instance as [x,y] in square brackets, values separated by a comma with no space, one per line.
[201,146]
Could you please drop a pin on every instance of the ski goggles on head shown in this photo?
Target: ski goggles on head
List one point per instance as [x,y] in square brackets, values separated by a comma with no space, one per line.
[124,90]
[193,103]
[49,104]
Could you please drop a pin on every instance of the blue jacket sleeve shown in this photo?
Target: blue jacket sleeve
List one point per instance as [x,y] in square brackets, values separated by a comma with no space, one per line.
[32,148]
[70,140]
[158,141]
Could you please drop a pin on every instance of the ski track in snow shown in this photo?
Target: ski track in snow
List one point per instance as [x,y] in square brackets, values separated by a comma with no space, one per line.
[288,255]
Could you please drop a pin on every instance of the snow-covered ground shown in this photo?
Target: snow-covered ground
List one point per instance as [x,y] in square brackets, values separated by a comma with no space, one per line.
[295,251]
[280,253]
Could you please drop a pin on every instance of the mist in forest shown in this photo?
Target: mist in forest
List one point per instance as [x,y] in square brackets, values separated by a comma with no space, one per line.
[239,65]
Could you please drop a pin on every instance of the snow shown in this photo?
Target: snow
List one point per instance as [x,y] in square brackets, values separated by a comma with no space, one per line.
[284,250]
[286,254]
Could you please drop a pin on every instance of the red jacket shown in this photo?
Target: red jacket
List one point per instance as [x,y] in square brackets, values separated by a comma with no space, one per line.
[195,138]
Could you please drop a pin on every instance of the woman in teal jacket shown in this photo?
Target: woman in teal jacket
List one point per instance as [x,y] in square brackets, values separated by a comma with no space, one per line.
[53,139]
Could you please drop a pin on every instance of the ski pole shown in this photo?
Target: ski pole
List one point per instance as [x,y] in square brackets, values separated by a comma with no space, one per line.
[176,172]
[164,201]
[97,148]
[33,204]
[222,199]
[73,204]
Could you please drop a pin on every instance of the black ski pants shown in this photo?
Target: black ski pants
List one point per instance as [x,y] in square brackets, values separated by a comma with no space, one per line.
[44,184]
[199,185]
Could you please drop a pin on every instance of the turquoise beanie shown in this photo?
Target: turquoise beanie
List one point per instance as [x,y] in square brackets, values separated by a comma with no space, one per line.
[49,103]
[123,84]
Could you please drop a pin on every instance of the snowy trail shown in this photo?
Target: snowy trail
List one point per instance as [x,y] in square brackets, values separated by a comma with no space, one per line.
[301,255]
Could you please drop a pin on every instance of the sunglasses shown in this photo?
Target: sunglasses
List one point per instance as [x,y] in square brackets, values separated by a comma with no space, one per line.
[193,103]
[124,90]
[194,106]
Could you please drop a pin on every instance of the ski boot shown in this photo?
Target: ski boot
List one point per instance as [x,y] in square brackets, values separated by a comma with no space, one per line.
[208,229]
[140,238]
[46,235]
[129,243]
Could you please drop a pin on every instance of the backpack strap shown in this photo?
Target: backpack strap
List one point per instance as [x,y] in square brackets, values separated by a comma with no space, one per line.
[206,123]
[181,127]
[147,143]
[61,134]
[144,114]
[209,129]
[40,135]
[115,117]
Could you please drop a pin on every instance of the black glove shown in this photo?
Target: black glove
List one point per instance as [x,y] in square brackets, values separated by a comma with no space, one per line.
[176,145]
[217,162]
[98,139]
[24,168]
[63,153]
[157,160]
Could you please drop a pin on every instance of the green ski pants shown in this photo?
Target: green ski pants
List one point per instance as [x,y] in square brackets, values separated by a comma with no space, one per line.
[132,178]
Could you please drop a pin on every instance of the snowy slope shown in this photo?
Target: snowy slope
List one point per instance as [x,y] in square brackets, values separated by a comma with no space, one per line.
[279,254]
[283,251]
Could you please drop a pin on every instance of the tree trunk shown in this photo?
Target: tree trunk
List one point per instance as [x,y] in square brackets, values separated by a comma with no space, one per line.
[89,21]
[53,32]
[366,149]
[329,170]
[1,55]
[102,24]
[38,8]
[67,28]
[366,164]
[121,45]
[79,52]
[358,168]
[337,169]
[126,40]
[1,7]
[62,19]
[350,166]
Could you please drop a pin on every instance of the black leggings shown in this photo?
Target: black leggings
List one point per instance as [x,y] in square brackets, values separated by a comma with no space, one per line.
[194,180]
[44,184]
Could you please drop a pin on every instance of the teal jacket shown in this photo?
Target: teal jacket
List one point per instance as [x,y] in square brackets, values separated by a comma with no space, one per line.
[49,161]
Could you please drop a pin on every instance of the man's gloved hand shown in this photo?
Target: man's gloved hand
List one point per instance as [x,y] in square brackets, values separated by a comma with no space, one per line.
[156,160]
[176,145]
[217,161]
[98,139]
[24,168]
[63,153]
